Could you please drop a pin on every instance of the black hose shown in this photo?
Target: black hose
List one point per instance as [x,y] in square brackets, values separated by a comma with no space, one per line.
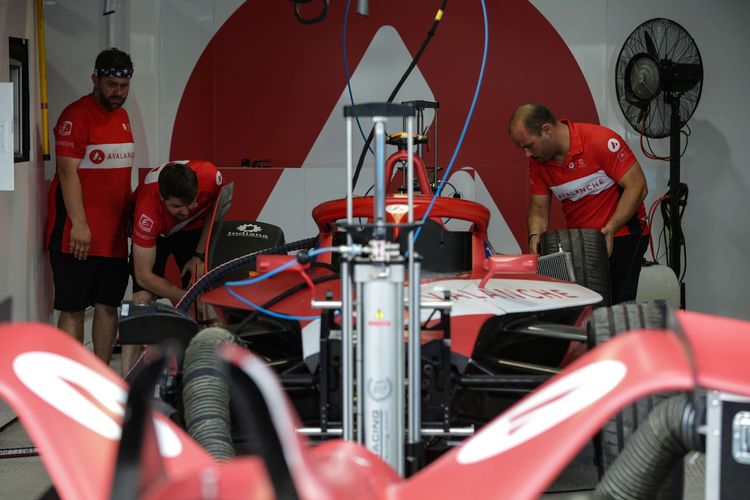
[214,274]
[653,450]
[414,61]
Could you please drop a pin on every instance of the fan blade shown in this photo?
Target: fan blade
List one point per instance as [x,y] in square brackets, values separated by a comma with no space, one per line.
[650,47]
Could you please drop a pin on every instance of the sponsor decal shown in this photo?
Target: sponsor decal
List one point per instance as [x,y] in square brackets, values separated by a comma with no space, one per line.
[543,410]
[218,178]
[581,162]
[66,144]
[249,230]
[146,223]
[96,156]
[622,155]
[379,389]
[121,155]
[84,396]
[613,145]
[397,209]
[590,184]
[506,293]
[65,128]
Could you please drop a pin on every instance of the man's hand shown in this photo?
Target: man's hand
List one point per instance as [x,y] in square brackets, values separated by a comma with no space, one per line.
[609,238]
[534,240]
[194,266]
[80,239]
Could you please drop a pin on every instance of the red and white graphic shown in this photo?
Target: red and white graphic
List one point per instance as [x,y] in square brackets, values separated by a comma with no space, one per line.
[66,128]
[146,223]
[543,410]
[613,145]
[203,111]
[96,156]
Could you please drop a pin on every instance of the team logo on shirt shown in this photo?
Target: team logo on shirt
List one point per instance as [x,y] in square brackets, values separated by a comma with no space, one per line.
[146,223]
[66,128]
[613,145]
[218,178]
[96,156]
[125,126]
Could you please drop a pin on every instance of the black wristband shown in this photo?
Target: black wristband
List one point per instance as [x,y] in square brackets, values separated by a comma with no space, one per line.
[200,255]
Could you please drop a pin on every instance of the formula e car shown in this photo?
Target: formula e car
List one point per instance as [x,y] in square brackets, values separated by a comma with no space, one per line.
[481,329]
[75,411]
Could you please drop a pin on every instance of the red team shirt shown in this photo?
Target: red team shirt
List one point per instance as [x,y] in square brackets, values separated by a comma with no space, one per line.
[102,140]
[151,220]
[586,182]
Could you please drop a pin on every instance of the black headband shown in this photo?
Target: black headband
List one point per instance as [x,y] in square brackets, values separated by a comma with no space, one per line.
[114,72]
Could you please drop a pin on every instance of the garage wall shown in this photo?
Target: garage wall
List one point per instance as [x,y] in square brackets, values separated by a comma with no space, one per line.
[24,271]
[713,167]
[186,87]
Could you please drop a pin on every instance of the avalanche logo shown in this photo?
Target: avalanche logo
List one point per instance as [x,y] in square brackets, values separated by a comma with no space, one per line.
[66,128]
[613,145]
[146,223]
[96,156]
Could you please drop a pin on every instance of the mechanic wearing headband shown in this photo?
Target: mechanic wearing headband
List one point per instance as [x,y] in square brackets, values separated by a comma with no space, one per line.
[598,181]
[89,200]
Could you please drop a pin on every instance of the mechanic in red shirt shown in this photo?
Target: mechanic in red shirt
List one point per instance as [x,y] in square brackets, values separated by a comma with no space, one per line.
[171,212]
[89,201]
[598,181]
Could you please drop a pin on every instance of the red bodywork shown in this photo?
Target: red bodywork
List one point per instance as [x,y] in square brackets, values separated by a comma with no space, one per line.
[514,456]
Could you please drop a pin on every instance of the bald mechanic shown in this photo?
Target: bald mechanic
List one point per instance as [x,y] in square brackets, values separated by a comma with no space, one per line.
[172,209]
[598,181]
[89,202]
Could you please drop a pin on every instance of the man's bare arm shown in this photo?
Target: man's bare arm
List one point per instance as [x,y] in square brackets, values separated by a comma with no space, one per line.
[538,220]
[70,185]
[634,191]
[143,264]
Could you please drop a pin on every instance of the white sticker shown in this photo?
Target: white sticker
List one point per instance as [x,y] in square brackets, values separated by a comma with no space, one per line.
[613,145]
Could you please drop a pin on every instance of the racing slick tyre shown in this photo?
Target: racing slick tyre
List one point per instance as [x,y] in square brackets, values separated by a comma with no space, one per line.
[588,251]
[605,323]
[205,393]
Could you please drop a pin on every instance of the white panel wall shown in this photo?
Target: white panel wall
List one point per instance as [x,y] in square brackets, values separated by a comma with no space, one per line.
[714,166]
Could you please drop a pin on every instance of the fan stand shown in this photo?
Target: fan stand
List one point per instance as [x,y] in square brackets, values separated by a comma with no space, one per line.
[676,240]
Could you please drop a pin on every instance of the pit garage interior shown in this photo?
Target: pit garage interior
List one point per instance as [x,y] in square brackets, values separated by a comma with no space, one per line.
[267,90]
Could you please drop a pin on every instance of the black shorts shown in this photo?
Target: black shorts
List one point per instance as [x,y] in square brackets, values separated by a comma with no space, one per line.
[181,245]
[625,266]
[82,283]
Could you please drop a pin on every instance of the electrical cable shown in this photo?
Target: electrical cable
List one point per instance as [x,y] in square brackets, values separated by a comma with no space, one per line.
[346,70]
[412,65]
[310,20]
[466,124]
[229,284]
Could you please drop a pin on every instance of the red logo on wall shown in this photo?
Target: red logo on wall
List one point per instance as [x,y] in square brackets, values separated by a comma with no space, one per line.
[96,156]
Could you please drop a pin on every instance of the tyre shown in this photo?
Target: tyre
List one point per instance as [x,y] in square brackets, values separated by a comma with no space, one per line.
[205,393]
[588,251]
[605,323]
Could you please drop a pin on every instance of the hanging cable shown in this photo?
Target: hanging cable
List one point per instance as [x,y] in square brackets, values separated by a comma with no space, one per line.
[466,124]
[346,71]
[310,20]
[412,65]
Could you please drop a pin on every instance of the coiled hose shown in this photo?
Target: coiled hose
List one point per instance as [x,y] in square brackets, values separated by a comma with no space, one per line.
[653,450]
[205,393]
[216,273]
